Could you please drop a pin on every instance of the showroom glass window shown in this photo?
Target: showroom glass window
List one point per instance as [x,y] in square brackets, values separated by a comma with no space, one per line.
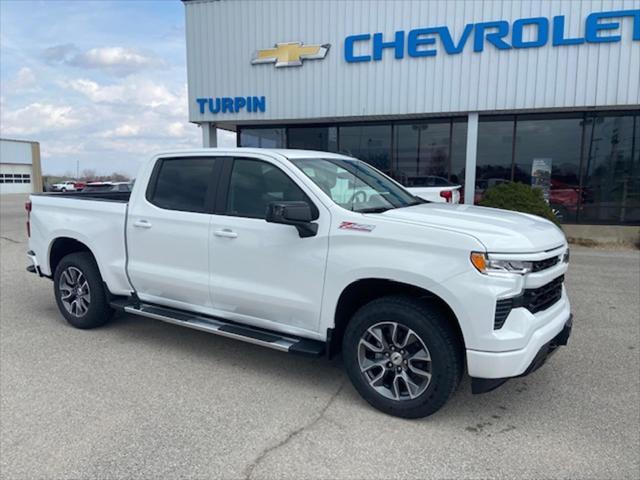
[323,139]
[611,178]
[430,152]
[494,160]
[371,143]
[422,152]
[263,137]
[458,152]
[551,143]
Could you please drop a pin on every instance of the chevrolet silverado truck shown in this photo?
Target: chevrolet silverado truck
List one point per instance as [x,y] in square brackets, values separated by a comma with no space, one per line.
[316,254]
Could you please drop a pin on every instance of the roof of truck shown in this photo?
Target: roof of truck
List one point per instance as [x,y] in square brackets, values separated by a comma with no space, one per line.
[285,152]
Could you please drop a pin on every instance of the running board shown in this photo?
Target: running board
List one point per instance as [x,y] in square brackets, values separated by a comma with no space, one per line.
[264,338]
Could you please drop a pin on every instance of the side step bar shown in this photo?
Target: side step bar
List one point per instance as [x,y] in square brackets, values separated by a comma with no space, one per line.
[224,328]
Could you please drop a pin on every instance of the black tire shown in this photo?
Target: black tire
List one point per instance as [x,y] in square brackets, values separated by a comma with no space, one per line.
[431,324]
[98,312]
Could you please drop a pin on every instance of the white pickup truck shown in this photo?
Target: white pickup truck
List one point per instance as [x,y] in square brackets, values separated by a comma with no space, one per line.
[434,189]
[314,253]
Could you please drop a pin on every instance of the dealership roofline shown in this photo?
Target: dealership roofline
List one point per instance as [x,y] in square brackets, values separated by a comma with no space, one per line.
[19,141]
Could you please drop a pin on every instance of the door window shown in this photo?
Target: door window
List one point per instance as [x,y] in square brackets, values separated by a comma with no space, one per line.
[254,184]
[183,184]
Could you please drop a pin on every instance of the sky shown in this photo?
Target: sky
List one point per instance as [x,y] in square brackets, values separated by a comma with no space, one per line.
[102,85]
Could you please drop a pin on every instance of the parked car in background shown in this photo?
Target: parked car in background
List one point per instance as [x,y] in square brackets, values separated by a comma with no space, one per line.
[66,186]
[564,199]
[107,187]
[434,189]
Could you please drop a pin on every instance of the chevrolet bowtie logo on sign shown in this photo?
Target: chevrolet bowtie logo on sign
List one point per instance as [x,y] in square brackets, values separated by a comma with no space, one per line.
[290,54]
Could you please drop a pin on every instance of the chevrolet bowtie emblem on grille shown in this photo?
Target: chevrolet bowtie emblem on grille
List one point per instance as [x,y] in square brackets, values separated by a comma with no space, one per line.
[290,54]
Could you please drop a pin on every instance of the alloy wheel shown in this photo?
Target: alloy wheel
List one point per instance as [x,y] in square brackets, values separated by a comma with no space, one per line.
[395,361]
[74,290]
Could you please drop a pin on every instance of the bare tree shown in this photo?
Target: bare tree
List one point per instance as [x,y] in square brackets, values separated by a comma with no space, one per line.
[88,175]
[119,177]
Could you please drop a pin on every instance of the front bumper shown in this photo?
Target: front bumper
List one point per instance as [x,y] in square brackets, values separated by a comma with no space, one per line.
[483,385]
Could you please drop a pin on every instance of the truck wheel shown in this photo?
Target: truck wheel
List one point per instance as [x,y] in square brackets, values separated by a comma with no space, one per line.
[403,356]
[79,291]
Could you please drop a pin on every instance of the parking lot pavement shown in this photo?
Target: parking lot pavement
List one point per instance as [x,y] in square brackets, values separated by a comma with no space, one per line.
[144,399]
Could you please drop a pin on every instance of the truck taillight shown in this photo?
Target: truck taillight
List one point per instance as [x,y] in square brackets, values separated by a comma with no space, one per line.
[27,207]
[447,195]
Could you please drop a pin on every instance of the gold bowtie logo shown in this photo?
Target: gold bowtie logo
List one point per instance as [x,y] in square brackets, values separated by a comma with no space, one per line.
[290,54]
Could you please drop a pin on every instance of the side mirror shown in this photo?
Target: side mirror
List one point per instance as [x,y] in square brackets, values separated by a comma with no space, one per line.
[297,214]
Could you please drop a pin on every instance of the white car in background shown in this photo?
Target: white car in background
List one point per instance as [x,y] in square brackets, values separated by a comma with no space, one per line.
[67,186]
[434,189]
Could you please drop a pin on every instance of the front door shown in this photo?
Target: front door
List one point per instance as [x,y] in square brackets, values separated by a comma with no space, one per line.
[168,233]
[264,273]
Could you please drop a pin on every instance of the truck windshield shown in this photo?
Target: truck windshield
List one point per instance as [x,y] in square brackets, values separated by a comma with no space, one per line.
[356,186]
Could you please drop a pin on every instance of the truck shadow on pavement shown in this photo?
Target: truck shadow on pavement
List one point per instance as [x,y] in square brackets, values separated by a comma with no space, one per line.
[493,413]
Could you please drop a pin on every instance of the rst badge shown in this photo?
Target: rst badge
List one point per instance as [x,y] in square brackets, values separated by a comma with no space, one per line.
[290,54]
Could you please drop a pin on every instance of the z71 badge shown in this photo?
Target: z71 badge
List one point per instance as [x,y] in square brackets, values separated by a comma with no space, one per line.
[361,227]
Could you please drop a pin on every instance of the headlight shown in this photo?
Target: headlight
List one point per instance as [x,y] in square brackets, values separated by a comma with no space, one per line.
[486,265]
[565,257]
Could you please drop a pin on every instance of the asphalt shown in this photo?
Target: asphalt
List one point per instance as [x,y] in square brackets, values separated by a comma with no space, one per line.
[144,399]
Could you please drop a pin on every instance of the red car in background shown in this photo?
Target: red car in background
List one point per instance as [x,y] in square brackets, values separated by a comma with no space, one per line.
[564,198]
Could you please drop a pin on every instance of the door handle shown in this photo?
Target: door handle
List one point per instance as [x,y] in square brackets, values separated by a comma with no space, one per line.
[142,224]
[225,232]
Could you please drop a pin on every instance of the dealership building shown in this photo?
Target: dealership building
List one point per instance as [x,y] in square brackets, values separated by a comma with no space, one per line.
[20,170]
[470,92]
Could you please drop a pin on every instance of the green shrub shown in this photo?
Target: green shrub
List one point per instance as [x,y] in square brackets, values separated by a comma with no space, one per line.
[520,198]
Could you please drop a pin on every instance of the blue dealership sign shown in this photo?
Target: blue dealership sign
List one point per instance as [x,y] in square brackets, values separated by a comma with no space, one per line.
[232,104]
[420,42]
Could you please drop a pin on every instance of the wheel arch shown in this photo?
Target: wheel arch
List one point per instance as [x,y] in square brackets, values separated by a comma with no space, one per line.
[63,246]
[362,291]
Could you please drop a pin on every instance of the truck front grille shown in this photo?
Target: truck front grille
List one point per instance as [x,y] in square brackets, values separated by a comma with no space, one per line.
[540,265]
[533,299]
[538,299]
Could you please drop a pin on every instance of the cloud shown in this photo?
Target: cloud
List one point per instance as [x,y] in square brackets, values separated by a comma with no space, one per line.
[25,77]
[119,61]
[176,129]
[123,131]
[37,117]
[107,95]
[140,92]
[60,53]
[24,80]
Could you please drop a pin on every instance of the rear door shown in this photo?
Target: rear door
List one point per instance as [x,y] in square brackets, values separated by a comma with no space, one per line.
[264,273]
[168,233]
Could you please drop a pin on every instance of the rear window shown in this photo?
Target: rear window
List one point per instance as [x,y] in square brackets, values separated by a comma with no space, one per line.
[429,181]
[183,184]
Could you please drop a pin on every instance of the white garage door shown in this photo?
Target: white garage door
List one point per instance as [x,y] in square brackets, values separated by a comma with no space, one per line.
[15,178]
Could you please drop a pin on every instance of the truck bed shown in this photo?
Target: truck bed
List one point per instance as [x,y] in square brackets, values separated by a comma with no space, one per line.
[96,219]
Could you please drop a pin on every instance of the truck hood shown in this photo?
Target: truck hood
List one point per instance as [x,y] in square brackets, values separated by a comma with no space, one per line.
[498,230]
